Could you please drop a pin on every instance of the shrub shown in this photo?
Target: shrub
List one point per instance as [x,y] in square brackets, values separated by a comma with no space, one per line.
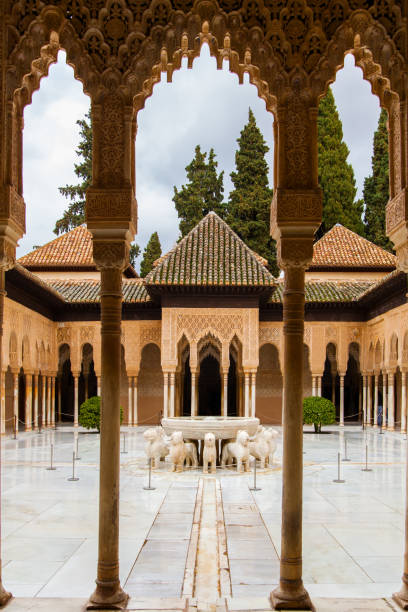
[90,413]
[318,411]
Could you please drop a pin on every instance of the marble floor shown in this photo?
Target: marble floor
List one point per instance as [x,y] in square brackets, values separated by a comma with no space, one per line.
[353,531]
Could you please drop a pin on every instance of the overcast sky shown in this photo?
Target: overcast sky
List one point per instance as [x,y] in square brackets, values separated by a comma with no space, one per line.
[201,106]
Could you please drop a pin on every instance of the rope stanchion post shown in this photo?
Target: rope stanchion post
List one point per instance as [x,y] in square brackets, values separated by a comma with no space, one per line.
[51,468]
[338,479]
[124,451]
[345,458]
[149,486]
[255,488]
[77,457]
[366,469]
[73,477]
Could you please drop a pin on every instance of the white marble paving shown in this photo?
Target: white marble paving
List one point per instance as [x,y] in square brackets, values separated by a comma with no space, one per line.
[353,532]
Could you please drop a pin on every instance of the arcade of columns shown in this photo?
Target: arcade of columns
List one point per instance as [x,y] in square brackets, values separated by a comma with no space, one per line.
[118,49]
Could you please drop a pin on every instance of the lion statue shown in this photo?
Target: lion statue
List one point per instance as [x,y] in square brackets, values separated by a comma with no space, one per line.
[191,454]
[155,445]
[177,451]
[238,450]
[271,437]
[259,446]
[209,453]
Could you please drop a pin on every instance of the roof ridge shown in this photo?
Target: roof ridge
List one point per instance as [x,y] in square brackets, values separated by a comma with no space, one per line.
[359,236]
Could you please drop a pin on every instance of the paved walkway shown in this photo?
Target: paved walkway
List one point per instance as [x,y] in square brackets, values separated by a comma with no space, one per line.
[202,542]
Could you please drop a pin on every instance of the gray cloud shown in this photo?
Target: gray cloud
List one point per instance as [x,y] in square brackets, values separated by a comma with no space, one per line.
[201,106]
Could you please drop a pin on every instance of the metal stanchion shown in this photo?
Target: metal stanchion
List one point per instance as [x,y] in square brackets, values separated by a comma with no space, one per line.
[124,451]
[338,479]
[51,458]
[15,428]
[255,488]
[366,469]
[149,486]
[73,468]
[77,457]
[345,458]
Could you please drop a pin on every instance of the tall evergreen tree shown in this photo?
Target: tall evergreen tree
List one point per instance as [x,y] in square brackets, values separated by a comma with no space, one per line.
[336,175]
[203,192]
[376,187]
[150,254]
[74,215]
[250,200]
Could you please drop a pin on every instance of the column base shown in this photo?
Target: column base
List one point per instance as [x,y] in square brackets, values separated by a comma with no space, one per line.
[5,596]
[106,598]
[401,598]
[297,600]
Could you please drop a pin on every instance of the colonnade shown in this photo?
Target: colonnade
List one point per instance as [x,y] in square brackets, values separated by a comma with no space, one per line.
[392,392]
[246,393]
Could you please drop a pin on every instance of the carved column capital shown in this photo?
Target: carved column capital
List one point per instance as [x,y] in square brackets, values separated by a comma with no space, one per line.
[295,252]
[7,253]
[111,254]
[295,211]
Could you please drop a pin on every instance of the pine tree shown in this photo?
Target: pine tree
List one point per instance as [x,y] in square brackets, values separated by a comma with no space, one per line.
[150,254]
[336,175]
[74,215]
[250,200]
[376,187]
[203,192]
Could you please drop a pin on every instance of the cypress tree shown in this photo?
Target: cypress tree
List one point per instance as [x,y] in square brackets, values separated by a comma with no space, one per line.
[376,187]
[336,175]
[74,214]
[250,200]
[150,254]
[203,192]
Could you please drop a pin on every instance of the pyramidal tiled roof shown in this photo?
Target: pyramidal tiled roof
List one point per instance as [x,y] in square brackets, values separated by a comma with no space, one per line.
[342,248]
[211,254]
[88,291]
[73,249]
[328,291]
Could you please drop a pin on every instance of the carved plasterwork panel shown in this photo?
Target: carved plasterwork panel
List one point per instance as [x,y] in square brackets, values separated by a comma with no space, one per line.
[86,334]
[64,335]
[223,326]
[331,333]
[269,334]
[150,334]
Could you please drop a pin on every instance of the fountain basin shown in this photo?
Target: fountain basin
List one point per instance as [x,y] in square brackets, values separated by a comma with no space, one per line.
[223,428]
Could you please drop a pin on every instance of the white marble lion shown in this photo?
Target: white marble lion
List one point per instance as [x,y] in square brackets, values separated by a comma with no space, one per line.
[259,446]
[238,450]
[191,454]
[209,453]
[177,451]
[155,446]
[271,436]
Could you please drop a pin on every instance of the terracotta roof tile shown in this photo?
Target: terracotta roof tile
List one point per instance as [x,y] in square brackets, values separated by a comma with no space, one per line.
[328,291]
[211,254]
[71,249]
[342,248]
[88,291]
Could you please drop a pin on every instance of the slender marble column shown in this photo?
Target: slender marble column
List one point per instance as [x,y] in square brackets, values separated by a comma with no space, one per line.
[341,400]
[313,386]
[109,593]
[135,413]
[15,400]
[98,386]
[391,403]
[253,394]
[364,397]
[130,400]
[165,394]
[35,401]
[28,404]
[76,379]
[375,400]
[53,401]
[291,589]
[49,407]
[403,402]
[224,407]
[59,407]
[369,402]
[193,394]
[385,400]
[172,393]
[333,390]
[247,394]
[319,386]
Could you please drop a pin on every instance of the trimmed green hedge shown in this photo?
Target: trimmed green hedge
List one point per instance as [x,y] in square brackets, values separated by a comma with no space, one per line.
[90,413]
[318,411]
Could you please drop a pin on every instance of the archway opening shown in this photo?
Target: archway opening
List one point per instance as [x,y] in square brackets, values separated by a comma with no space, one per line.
[87,383]
[209,387]
[21,423]
[66,390]
[352,385]
[269,385]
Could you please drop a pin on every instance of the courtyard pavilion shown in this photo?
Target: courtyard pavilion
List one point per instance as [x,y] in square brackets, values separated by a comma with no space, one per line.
[119,49]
